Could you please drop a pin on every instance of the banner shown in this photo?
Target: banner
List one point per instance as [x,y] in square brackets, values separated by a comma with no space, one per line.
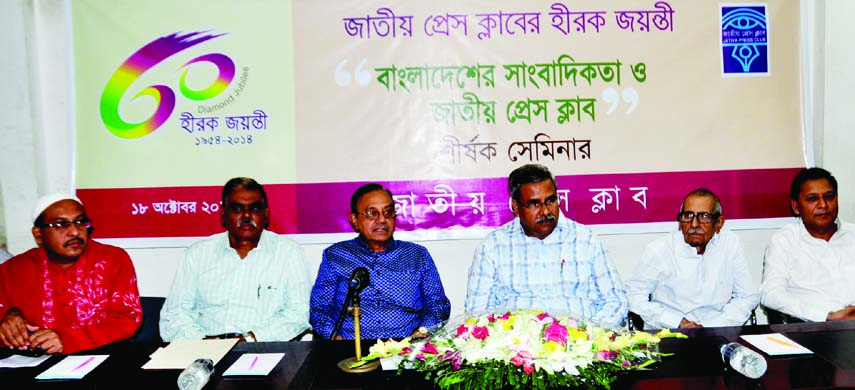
[630,104]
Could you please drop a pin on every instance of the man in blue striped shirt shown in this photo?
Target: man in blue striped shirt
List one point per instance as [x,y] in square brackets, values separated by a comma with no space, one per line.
[405,292]
[542,260]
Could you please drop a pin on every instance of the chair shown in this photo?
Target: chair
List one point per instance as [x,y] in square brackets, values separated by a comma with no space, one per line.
[752,318]
[634,321]
[150,328]
[308,335]
[775,317]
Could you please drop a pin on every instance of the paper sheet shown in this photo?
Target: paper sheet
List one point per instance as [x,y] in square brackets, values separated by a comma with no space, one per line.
[181,353]
[16,361]
[776,344]
[73,367]
[254,364]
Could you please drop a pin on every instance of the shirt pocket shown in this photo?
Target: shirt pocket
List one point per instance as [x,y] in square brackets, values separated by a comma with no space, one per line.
[405,290]
[214,286]
[567,279]
[270,296]
[722,289]
[811,275]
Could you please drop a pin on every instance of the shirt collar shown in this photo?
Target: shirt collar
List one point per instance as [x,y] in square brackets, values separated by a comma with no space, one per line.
[263,242]
[42,256]
[680,242]
[364,245]
[560,225]
[842,229]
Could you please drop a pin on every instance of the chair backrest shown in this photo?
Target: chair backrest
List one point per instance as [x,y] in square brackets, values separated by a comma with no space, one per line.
[150,328]
[634,321]
[775,317]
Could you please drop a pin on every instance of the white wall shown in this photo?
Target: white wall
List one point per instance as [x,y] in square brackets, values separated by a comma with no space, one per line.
[155,267]
[36,144]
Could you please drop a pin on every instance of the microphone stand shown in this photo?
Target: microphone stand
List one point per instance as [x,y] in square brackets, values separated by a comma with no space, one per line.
[346,364]
[344,309]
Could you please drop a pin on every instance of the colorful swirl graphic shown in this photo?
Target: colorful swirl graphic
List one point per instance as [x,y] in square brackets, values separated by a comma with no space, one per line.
[146,58]
[227,73]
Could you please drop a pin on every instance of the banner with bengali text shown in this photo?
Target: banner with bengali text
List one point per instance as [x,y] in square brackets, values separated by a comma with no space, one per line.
[631,104]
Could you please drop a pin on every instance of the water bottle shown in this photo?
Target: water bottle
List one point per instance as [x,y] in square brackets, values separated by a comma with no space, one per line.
[743,360]
[196,375]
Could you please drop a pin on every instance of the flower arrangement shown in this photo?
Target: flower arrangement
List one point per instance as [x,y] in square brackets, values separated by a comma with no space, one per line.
[527,349]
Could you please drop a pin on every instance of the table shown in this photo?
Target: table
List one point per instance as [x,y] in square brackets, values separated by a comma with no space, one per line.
[312,365]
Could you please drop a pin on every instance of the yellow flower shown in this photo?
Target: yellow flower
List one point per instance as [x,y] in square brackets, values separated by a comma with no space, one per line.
[388,348]
[644,338]
[666,333]
[575,334]
[551,347]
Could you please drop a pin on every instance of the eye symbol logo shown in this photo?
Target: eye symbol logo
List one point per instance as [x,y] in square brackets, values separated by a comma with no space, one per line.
[146,58]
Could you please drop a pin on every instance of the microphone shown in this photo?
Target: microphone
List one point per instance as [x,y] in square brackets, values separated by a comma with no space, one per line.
[359,280]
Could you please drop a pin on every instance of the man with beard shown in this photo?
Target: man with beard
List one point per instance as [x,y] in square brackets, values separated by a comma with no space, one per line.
[809,264]
[544,261]
[70,293]
[405,294]
[246,283]
[697,275]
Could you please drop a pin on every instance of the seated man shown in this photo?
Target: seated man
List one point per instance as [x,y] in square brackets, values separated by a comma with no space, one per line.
[809,265]
[697,275]
[405,292]
[70,293]
[542,260]
[247,282]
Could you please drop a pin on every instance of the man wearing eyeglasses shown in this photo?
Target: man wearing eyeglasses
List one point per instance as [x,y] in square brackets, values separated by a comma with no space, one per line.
[405,294]
[697,275]
[246,283]
[70,293]
[542,260]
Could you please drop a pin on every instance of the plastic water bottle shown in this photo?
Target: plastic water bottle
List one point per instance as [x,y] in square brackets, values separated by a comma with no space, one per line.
[196,375]
[743,360]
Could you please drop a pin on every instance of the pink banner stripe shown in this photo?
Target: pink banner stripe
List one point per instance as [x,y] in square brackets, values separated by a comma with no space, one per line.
[314,208]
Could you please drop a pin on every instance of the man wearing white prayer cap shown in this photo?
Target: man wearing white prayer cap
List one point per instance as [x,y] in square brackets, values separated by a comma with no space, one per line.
[70,293]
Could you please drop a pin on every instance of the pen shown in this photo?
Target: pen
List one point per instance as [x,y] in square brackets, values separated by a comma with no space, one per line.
[251,365]
[79,366]
[782,342]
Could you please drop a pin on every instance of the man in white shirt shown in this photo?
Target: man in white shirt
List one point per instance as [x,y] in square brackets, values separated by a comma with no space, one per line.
[246,283]
[543,260]
[697,275]
[809,265]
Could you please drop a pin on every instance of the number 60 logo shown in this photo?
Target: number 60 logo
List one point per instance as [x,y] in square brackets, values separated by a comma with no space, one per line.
[144,59]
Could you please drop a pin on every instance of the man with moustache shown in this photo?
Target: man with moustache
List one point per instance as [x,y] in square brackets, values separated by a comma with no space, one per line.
[809,265]
[405,294]
[544,261]
[246,283]
[695,276]
[70,293]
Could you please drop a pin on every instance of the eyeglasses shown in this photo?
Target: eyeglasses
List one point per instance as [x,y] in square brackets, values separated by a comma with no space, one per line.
[374,214]
[240,208]
[703,216]
[536,204]
[64,225]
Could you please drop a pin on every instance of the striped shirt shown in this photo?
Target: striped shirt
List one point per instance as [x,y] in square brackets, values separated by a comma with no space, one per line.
[565,273]
[216,292]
